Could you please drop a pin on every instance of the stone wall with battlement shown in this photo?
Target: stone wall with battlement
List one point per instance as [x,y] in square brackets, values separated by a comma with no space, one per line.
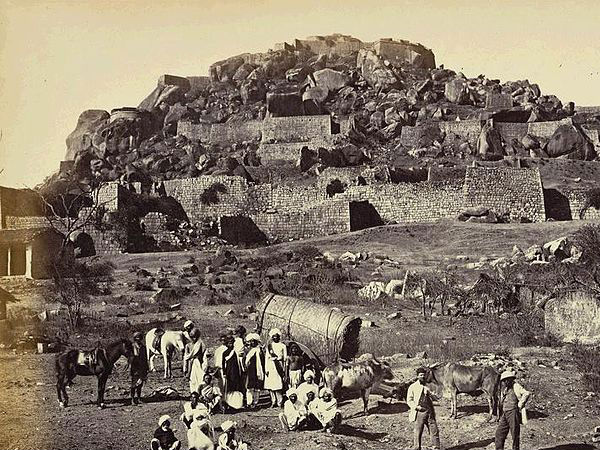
[516,191]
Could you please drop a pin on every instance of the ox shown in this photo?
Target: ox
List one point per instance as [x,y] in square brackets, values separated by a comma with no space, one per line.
[456,378]
[362,375]
[169,343]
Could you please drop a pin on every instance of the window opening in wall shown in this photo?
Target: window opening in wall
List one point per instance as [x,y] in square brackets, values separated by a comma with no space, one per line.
[335,187]
[335,127]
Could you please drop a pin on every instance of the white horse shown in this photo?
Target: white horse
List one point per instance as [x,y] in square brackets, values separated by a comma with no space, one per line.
[170,342]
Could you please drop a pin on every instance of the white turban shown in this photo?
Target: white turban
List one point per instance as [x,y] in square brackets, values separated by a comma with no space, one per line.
[274,331]
[309,373]
[164,418]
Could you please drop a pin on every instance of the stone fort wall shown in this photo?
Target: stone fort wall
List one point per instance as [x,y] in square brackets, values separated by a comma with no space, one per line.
[516,191]
[471,129]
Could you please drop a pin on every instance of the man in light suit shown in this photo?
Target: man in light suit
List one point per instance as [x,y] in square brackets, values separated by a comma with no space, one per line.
[420,401]
[513,398]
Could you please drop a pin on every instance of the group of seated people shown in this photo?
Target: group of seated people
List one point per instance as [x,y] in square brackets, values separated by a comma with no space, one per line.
[310,413]
[200,431]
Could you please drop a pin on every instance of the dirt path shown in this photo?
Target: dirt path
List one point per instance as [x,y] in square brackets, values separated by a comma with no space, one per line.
[561,414]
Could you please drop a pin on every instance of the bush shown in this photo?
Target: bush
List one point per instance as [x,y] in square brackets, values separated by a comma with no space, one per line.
[587,360]
[210,196]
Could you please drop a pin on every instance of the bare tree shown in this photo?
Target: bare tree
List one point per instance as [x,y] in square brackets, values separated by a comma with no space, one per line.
[76,208]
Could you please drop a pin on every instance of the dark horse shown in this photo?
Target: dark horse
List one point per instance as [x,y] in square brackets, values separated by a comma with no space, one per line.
[99,362]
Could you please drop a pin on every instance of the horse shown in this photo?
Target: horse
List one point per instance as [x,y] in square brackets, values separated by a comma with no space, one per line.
[170,341]
[99,362]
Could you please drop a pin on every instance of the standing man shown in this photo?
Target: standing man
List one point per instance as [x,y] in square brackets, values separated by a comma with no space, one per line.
[275,370]
[420,400]
[513,398]
[138,367]
[188,326]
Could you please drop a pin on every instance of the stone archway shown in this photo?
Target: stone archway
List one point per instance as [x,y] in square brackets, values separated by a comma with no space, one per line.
[84,245]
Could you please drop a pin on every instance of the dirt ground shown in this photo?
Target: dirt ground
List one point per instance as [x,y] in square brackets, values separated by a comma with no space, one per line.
[562,413]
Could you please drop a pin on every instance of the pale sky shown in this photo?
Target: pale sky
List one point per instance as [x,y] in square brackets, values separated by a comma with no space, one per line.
[59,58]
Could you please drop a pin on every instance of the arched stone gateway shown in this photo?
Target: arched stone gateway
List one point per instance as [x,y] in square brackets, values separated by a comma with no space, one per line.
[84,245]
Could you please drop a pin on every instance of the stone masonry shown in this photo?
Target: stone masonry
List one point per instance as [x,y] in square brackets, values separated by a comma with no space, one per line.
[518,192]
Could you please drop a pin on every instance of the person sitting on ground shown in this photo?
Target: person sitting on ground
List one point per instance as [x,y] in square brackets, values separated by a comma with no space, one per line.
[210,394]
[190,407]
[294,413]
[164,437]
[138,368]
[325,410]
[201,434]
[308,385]
[227,440]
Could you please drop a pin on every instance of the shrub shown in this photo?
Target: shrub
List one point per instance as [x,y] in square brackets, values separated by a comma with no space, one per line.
[210,196]
[587,360]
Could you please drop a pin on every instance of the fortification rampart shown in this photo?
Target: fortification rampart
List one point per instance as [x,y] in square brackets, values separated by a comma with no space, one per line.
[410,202]
[518,192]
[229,132]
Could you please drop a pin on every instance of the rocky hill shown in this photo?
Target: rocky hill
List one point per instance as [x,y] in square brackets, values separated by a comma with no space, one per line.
[380,87]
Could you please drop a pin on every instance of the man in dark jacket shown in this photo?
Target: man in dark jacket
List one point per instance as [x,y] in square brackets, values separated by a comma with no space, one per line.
[138,368]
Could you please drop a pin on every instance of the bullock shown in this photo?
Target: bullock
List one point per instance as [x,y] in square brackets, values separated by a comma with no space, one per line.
[457,379]
[362,375]
[170,342]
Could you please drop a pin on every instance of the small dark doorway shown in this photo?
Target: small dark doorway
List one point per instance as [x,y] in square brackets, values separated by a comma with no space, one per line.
[17,259]
[363,215]
[557,205]
[241,230]
[3,260]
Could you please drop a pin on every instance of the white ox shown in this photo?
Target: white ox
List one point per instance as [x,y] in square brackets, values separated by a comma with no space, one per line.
[170,342]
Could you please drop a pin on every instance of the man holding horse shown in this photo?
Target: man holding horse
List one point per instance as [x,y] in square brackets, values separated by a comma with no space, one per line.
[138,367]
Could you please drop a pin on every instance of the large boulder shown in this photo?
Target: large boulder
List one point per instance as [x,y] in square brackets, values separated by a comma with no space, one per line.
[80,139]
[568,140]
[330,79]
[225,70]
[163,94]
[489,144]
[307,159]
[252,90]
[375,72]
[278,63]
[457,91]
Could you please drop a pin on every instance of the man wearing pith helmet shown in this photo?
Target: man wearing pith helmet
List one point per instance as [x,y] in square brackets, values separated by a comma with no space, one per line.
[511,409]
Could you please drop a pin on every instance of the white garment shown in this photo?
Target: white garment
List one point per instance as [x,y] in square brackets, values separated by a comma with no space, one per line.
[199,365]
[295,378]
[273,380]
[197,438]
[304,388]
[413,397]
[293,412]
[238,347]
[324,411]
